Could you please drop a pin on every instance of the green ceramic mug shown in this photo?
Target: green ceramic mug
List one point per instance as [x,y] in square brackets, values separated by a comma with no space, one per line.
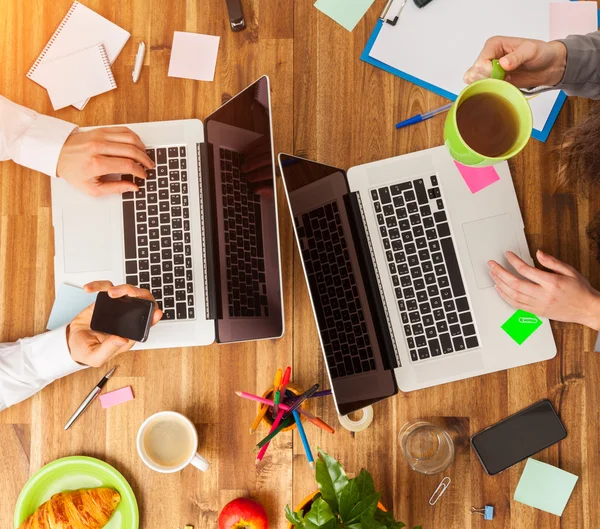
[459,150]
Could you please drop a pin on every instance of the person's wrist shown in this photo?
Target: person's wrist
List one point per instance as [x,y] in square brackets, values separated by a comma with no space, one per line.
[559,64]
[592,317]
[72,349]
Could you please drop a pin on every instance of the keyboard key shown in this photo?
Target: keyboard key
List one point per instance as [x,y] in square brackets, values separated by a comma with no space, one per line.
[465,318]
[419,187]
[452,266]
[131,280]
[129,230]
[459,344]
[161,156]
[423,353]
[462,304]
[472,342]
[384,195]
[468,330]
[446,343]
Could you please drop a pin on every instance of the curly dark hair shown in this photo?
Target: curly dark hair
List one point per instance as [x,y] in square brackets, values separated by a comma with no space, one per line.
[580,159]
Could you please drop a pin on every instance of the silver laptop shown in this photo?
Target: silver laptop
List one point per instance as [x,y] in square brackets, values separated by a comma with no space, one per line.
[201,233]
[395,254]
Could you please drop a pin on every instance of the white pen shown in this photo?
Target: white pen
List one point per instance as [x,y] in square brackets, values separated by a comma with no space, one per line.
[139,62]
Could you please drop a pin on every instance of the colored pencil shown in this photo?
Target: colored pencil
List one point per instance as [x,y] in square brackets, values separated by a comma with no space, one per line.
[275,429]
[285,408]
[277,395]
[284,382]
[265,442]
[307,394]
[262,411]
[324,393]
[309,456]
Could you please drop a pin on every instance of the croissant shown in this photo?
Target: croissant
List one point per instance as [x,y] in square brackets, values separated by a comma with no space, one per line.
[79,509]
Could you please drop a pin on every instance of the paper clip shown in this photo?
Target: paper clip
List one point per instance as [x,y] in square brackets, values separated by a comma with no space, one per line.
[528,320]
[441,488]
[487,512]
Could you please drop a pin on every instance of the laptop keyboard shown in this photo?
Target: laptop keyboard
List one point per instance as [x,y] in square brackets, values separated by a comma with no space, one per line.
[156,219]
[424,269]
[339,312]
[246,281]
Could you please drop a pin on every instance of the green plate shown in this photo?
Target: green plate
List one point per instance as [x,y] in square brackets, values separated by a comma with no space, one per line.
[72,473]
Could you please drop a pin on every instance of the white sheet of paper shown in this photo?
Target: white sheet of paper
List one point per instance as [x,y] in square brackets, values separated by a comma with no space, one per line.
[69,302]
[76,77]
[194,56]
[573,18]
[438,44]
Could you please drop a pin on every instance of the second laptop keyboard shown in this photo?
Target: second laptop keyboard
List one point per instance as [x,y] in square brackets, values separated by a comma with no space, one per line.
[156,220]
[424,269]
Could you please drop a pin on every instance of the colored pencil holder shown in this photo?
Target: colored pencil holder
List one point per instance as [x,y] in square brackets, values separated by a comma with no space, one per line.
[270,393]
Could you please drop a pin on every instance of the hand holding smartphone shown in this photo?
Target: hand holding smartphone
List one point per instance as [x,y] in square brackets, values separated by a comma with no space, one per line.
[126,316]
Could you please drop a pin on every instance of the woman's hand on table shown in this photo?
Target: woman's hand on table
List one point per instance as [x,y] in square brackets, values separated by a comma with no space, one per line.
[528,63]
[93,348]
[561,295]
[86,157]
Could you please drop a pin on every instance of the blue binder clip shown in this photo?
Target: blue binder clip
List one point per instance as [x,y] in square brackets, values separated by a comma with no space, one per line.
[487,512]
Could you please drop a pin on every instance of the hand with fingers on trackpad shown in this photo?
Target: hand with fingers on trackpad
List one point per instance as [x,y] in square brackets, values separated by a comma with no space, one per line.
[561,294]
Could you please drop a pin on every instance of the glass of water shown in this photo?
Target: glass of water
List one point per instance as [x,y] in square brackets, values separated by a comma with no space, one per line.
[428,449]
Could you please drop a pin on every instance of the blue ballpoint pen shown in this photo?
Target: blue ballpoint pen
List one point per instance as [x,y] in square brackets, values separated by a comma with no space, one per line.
[422,117]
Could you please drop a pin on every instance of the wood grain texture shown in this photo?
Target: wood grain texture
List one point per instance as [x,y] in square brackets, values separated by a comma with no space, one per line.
[330,106]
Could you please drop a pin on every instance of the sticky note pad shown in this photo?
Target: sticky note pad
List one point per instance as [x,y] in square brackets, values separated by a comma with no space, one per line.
[69,302]
[477,178]
[194,56]
[572,18]
[521,325]
[346,13]
[545,487]
[119,396]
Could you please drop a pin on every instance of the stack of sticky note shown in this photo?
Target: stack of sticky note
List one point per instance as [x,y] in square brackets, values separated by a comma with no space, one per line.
[76,63]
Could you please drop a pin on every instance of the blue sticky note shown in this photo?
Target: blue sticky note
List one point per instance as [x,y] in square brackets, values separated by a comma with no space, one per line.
[69,302]
[347,13]
[545,487]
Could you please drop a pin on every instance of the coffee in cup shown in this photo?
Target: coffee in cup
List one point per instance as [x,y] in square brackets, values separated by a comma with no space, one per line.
[167,442]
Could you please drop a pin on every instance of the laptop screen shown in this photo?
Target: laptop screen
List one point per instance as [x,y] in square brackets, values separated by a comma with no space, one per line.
[321,206]
[249,297]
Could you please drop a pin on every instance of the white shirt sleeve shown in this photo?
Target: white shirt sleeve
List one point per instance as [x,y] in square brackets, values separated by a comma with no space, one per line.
[31,139]
[30,364]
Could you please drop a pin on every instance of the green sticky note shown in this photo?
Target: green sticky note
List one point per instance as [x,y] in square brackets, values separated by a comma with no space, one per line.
[347,13]
[545,487]
[521,325]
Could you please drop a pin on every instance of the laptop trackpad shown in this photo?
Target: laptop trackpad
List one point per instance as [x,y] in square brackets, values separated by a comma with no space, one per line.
[86,231]
[489,239]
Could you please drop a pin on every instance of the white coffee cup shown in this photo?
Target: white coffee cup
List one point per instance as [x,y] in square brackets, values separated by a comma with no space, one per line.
[168,442]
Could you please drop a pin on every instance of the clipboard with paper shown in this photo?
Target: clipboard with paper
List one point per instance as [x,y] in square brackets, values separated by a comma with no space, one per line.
[433,47]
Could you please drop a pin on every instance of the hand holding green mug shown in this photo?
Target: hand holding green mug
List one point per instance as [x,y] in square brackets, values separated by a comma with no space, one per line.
[489,122]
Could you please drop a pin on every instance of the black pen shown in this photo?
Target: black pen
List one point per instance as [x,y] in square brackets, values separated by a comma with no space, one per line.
[88,400]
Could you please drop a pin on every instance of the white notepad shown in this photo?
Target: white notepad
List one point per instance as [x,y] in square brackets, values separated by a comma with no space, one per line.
[77,77]
[81,28]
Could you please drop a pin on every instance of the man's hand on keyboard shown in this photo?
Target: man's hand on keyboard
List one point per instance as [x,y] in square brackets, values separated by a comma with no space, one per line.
[86,157]
[93,348]
[561,295]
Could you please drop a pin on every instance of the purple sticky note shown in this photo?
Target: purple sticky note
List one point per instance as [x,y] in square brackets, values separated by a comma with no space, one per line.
[477,178]
[118,396]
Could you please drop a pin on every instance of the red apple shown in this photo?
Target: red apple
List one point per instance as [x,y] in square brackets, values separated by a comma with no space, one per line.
[243,513]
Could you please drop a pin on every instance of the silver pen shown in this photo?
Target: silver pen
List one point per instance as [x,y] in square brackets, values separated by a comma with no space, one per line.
[88,400]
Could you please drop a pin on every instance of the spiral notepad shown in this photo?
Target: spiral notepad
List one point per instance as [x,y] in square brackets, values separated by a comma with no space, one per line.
[77,77]
[79,30]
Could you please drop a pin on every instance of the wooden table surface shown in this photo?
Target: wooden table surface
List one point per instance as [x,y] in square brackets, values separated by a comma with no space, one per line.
[330,106]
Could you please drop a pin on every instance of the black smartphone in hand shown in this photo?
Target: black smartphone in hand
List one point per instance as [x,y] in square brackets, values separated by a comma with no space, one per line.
[126,317]
[518,437]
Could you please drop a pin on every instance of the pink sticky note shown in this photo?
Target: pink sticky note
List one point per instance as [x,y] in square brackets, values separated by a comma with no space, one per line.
[194,56]
[477,178]
[119,396]
[572,18]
